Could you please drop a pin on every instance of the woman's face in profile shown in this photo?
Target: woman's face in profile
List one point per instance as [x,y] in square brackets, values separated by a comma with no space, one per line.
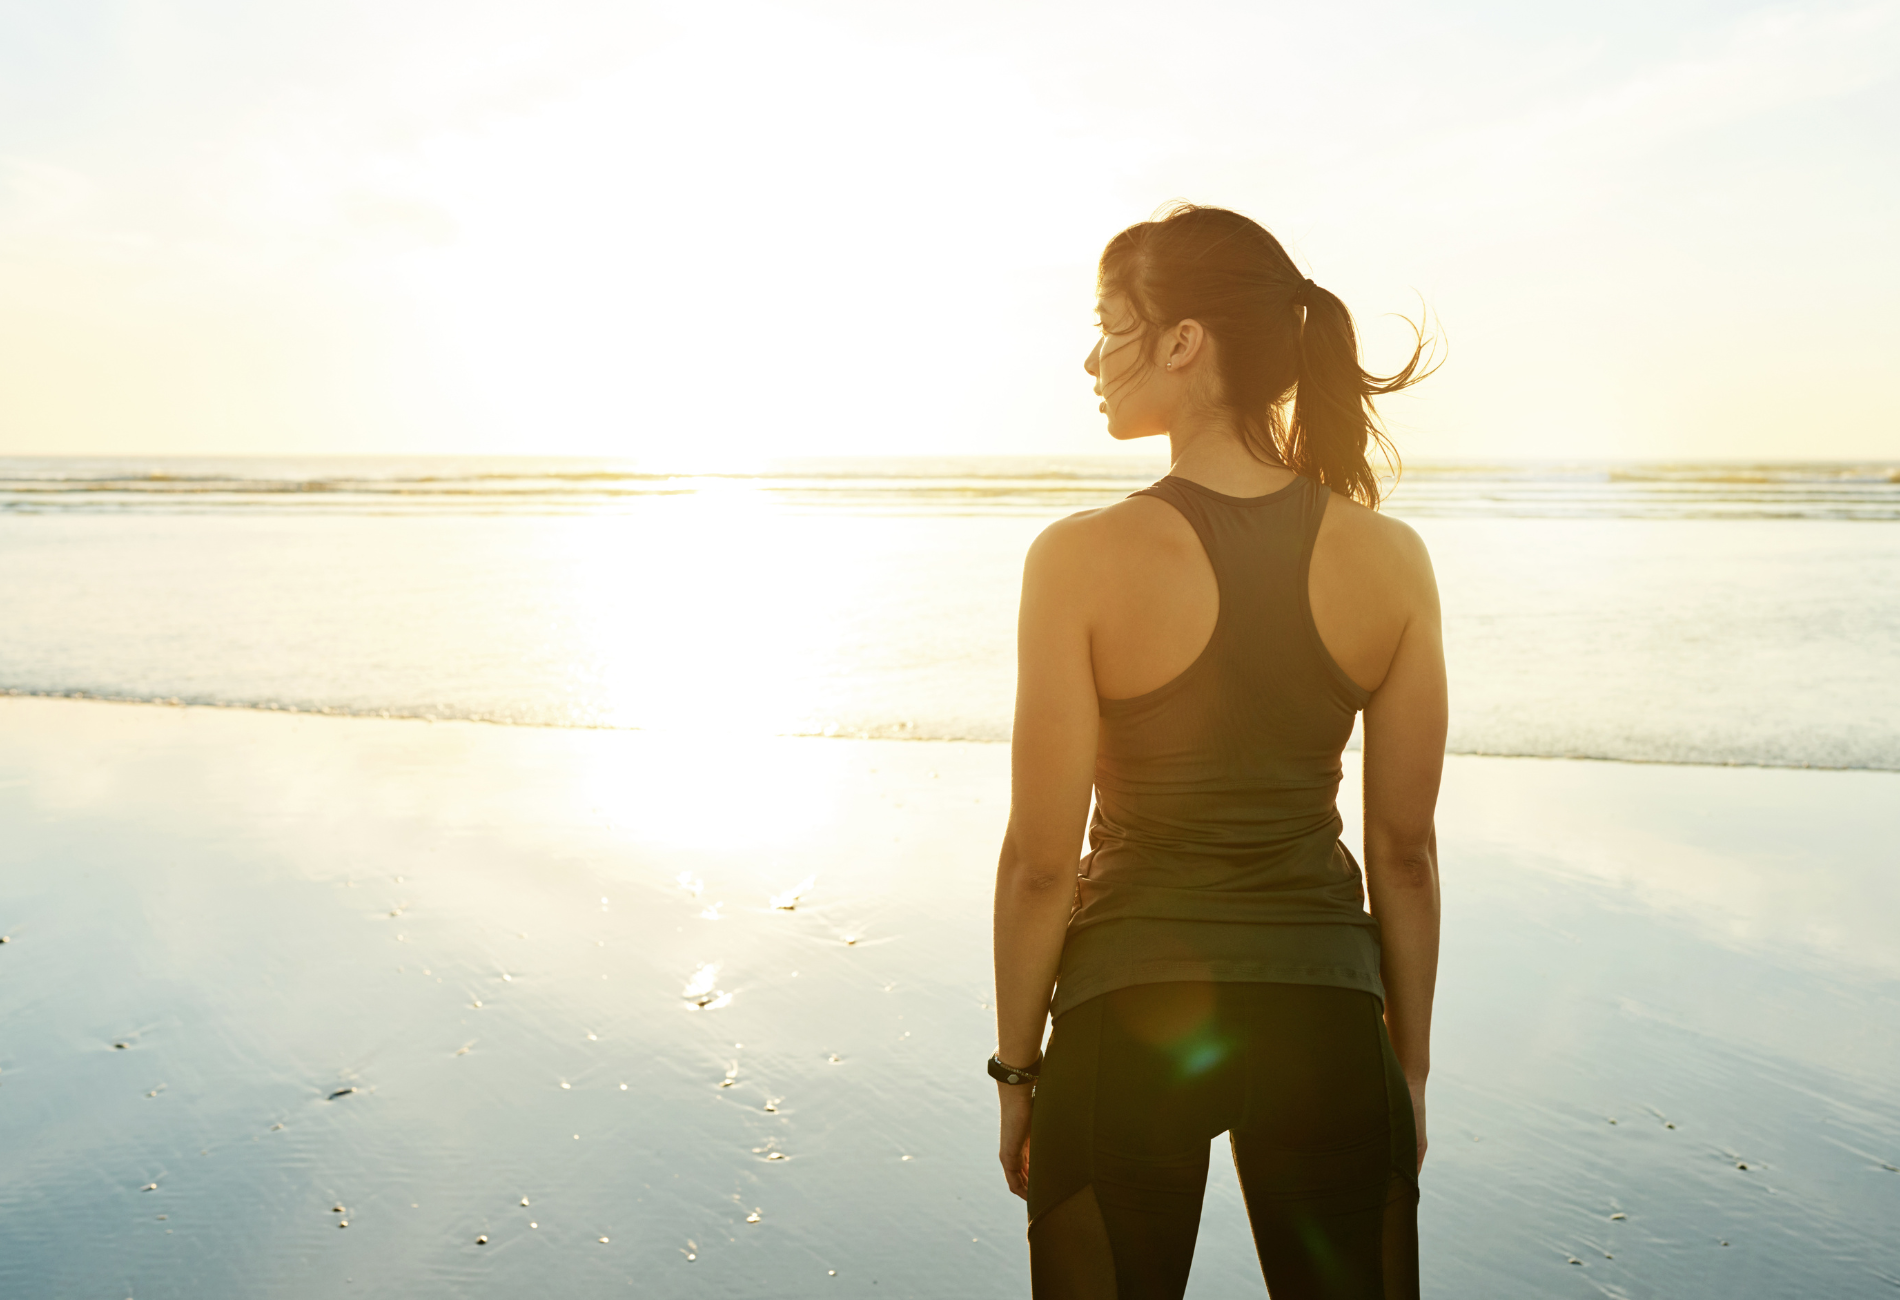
[1129,399]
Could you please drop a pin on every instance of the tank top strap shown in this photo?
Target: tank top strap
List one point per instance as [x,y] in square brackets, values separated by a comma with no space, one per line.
[1313,502]
[1192,507]
[1258,548]
[1313,513]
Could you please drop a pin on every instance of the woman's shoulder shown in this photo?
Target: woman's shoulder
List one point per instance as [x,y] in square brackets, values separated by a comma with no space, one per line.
[1385,550]
[1139,524]
[1371,529]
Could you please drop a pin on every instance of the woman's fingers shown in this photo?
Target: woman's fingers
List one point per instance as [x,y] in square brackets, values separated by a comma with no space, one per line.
[1016,1171]
[1016,1168]
[1013,1144]
[1014,1149]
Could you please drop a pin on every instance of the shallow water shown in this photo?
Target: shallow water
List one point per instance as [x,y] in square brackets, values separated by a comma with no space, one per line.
[269,911]
[1583,617]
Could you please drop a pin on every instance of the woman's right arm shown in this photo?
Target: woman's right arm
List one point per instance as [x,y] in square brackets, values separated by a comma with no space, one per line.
[1404,756]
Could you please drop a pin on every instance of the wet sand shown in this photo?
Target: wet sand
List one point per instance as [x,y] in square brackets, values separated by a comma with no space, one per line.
[259,967]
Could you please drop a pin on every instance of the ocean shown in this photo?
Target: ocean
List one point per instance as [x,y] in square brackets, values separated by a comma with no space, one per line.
[1729,614]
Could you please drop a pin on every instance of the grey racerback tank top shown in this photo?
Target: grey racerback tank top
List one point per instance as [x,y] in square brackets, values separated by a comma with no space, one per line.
[1214,848]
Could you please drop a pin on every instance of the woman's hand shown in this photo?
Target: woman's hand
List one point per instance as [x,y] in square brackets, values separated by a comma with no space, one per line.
[1417,1087]
[1013,1150]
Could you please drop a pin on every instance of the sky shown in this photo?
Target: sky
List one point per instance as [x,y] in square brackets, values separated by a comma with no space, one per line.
[710,232]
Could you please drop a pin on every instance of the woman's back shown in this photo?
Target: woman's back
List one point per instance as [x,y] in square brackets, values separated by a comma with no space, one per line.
[1155,599]
[1223,711]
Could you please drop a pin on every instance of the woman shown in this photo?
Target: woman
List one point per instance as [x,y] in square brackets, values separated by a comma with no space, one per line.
[1194,657]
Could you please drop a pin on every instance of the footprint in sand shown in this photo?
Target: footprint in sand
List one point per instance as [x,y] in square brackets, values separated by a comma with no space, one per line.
[788,901]
[700,992]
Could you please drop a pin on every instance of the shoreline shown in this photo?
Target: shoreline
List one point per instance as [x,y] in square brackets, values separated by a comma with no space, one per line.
[329,711]
[407,970]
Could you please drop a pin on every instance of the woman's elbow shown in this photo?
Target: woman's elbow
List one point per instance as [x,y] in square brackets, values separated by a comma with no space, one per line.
[1033,876]
[1417,870]
[1036,880]
[1403,861]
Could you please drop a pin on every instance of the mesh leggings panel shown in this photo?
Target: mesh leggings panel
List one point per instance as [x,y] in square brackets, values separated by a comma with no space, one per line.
[1138,1082]
[1069,1254]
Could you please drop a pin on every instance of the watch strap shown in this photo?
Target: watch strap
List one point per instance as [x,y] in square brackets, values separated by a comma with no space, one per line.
[1014,1074]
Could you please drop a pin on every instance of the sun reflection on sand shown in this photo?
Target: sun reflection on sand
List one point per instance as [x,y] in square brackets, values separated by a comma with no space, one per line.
[691,795]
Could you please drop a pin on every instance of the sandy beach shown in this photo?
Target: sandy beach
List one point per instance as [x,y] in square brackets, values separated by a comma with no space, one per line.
[530,1007]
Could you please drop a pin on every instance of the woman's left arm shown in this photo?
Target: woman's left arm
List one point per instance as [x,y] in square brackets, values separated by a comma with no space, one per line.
[1052,772]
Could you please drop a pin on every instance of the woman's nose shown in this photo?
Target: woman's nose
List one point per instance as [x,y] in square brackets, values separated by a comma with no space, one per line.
[1092,362]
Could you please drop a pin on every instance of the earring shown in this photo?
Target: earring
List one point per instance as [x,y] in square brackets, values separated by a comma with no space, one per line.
[1170,365]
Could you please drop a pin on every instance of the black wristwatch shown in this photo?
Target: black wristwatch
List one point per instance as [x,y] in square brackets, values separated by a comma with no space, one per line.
[1012,1074]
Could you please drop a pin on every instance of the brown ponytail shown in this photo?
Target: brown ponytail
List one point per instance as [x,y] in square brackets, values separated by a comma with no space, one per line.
[1277,336]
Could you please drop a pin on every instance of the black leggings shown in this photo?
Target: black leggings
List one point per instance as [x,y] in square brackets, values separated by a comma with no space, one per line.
[1138,1082]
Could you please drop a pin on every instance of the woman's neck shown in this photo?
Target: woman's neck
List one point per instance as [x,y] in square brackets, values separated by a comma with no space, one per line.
[1210,451]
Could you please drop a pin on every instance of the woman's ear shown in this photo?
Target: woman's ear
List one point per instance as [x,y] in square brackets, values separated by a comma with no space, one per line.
[1187,342]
